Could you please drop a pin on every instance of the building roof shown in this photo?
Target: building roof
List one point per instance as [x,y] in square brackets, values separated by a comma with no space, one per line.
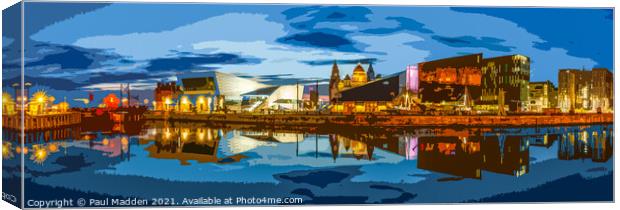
[384,89]
[266,91]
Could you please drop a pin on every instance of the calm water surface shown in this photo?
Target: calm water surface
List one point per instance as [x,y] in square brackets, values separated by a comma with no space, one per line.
[360,166]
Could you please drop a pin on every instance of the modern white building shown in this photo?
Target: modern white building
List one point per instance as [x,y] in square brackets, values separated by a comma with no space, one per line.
[216,91]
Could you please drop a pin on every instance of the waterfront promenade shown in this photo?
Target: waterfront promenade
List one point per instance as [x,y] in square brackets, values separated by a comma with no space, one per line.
[40,122]
[294,119]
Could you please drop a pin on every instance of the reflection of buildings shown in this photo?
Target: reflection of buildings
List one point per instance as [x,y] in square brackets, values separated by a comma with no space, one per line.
[584,91]
[586,144]
[185,144]
[507,156]
[543,95]
[450,155]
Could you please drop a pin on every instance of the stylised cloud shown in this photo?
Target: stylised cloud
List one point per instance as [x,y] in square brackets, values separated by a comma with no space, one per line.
[303,40]
[330,62]
[194,60]
[54,83]
[144,46]
[469,41]
[305,18]
[318,39]
[6,41]
[404,23]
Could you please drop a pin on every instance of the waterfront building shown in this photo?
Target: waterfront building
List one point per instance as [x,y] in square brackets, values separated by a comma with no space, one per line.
[284,97]
[359,76]
[374,96]
[346,82]
[370,73]
[509,75]
[214,91]
[334,83]
[602,96]
[543,96]
[585,91]
[451,81]
[8,104]
[165,92]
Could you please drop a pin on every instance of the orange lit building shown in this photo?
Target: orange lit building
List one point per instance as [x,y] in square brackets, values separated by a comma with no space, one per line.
[165,93]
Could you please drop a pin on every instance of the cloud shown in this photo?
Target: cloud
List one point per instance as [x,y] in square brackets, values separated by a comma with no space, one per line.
[318,39]
[196,61]
[54,83]
[331,62]
[469,41]
[403,24]
[142,46]
[305,18]
[268,40]
[6,41]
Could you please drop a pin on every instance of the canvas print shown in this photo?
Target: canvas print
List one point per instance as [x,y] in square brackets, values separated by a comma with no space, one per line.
[166,104]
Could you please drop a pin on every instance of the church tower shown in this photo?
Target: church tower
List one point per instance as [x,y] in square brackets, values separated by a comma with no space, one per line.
[370,73]
[333,82]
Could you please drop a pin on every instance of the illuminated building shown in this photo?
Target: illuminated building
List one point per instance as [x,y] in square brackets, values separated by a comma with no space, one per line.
[453,81]
[8,104]
[508,74]
[574,88]
[334,83]
[38,103]
[602,96]
[215,91]
[374,96]
[370,74]
[346,82]
[164,94]
[359,76]
[285,97]
[543,95]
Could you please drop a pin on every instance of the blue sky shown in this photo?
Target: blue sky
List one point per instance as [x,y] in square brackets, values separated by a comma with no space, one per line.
[95,46]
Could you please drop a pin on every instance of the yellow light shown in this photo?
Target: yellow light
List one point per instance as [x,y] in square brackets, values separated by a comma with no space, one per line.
[105,142]
[52,148]
[168,101]
[40,155]
[6,151]
[184,100]
[124,141]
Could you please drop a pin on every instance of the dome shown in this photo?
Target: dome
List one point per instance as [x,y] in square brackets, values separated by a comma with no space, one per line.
[359,76]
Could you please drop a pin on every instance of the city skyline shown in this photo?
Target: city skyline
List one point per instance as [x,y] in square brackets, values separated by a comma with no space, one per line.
[296,43]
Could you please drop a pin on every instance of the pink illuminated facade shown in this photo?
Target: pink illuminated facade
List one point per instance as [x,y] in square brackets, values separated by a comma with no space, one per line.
[413,83]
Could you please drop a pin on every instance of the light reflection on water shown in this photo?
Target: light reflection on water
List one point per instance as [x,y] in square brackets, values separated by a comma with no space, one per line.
[202,153]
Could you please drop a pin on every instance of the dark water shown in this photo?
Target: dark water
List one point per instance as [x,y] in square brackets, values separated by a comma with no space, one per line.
[179,160]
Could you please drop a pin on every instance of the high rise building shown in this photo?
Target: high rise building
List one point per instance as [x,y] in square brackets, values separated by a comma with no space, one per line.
[509,74]
[574,90]
[602,96]
[446,80]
